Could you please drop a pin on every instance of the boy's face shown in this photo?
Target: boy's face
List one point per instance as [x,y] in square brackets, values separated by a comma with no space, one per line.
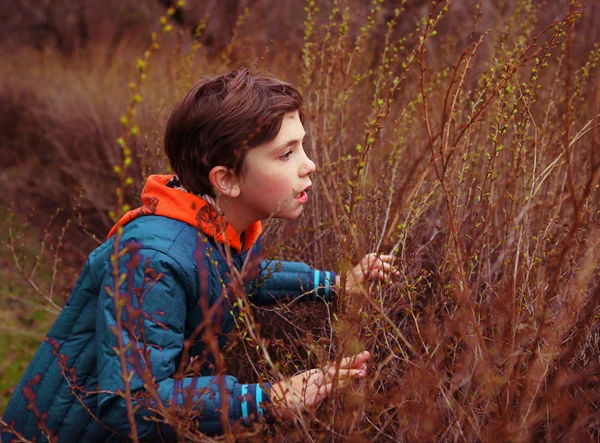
[276,179]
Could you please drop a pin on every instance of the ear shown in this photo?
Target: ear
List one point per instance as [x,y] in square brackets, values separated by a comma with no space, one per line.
[224,181]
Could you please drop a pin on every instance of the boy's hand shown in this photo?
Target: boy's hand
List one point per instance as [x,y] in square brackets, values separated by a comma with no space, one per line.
[371,267]
[303,392]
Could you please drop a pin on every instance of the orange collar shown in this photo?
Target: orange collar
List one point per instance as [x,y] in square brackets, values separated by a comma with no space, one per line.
[159,199]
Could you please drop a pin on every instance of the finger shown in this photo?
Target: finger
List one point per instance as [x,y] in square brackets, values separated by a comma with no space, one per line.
[369,259]
[345,374]
[383,266]
[382,275]
[383,257]
[376,264]
[377,275]
[356,373]
[355,361]
[322,387]
[389,268]
[361,359]
[374,260]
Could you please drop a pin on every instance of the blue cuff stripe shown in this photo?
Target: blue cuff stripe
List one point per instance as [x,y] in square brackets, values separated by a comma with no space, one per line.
[259,410]
[316,283]
[244,404]
[327,283]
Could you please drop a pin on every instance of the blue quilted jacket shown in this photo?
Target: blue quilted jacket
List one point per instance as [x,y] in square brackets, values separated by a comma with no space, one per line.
[71,390]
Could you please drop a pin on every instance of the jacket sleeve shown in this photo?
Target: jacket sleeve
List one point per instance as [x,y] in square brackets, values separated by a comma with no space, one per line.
[279,280]
[161,323]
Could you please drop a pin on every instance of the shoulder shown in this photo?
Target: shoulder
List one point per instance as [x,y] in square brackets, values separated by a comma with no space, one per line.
[170,237]
[155,229]
[160,239]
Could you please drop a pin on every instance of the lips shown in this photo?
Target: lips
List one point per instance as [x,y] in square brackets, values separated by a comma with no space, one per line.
[302,196]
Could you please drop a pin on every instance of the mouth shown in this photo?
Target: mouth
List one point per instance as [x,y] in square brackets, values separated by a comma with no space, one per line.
[302,196]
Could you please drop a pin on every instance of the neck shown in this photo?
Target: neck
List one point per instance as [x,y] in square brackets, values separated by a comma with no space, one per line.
[235,215]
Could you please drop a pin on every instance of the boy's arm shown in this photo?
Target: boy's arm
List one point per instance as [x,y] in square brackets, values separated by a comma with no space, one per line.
[278,280]
[288,280]
[160,323]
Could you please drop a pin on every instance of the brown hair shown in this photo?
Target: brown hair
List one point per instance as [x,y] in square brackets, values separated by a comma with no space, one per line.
[220,119]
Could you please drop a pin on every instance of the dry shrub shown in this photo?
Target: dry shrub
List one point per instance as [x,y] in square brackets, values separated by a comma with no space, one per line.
[467,146]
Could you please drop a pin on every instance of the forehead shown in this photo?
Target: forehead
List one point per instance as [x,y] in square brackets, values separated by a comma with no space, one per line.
[291,128]
[290,133]
[292,115]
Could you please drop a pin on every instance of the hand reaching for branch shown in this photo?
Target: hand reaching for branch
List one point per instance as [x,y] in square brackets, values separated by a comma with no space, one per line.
[371,267]
[303,392]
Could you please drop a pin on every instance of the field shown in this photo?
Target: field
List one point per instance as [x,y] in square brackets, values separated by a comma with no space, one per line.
[461,137]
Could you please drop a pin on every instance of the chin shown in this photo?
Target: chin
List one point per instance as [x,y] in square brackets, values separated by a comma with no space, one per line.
[291,215]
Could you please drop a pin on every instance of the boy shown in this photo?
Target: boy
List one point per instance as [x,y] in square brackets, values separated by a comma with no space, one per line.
[115,355]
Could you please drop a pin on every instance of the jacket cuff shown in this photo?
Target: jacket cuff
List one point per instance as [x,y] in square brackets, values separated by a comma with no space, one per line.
[324,283]
[252,403]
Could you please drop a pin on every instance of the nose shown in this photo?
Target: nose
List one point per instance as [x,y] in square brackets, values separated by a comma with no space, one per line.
[308,166]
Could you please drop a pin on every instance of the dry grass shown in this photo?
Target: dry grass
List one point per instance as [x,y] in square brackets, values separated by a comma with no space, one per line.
[466,144]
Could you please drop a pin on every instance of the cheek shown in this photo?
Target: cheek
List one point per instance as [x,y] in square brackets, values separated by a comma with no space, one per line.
[277,185]
[269,176]
[269,181]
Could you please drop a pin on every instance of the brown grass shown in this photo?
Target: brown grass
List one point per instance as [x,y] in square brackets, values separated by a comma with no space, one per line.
[465,142]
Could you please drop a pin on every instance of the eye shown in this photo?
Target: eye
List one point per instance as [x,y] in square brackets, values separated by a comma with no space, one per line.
[286,155]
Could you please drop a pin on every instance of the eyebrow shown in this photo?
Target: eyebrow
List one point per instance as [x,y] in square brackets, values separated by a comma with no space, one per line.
[291,143]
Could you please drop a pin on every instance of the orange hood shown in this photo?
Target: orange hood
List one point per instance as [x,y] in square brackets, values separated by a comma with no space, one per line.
[158,199]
